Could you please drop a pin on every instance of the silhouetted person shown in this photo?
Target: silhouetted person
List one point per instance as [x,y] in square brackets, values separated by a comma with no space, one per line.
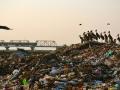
[93,35]
[110,37]
[89,36]
[97,35]
[114,41]
[81,38]
[105,37]
[85,36]
[118,38]
[101,36]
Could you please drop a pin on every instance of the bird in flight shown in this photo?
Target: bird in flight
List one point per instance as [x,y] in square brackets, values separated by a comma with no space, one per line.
[108,23]
[5,28]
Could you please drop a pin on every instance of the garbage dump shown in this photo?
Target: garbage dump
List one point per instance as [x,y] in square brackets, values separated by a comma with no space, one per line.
[88,66]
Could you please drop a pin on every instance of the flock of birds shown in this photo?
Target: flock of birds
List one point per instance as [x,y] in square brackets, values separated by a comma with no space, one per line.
[95,36]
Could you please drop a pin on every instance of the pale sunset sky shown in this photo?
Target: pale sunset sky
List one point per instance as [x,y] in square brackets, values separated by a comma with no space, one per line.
[57,19]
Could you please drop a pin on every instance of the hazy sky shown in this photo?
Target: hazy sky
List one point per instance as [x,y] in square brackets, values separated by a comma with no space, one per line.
[57,19]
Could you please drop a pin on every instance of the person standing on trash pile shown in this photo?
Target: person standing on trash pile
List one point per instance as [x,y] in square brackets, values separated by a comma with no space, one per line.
[86,38]
[110,38]
[97,35]
[118,38]
[102,37]
[105,37]
[81,38]
[93,36]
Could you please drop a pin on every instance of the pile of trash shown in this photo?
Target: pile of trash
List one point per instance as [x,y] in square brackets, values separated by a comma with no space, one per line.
[89,65]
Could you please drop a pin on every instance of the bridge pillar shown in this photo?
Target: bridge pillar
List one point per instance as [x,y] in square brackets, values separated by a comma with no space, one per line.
[7,48]
[32,48]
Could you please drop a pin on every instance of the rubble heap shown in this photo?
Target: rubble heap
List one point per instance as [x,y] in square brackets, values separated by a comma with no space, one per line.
[79,64]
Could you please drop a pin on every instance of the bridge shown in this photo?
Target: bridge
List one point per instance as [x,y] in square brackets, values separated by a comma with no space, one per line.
[27,43]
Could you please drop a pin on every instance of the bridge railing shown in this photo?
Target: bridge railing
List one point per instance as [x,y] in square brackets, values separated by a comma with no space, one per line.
[27,43]
[46,43]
